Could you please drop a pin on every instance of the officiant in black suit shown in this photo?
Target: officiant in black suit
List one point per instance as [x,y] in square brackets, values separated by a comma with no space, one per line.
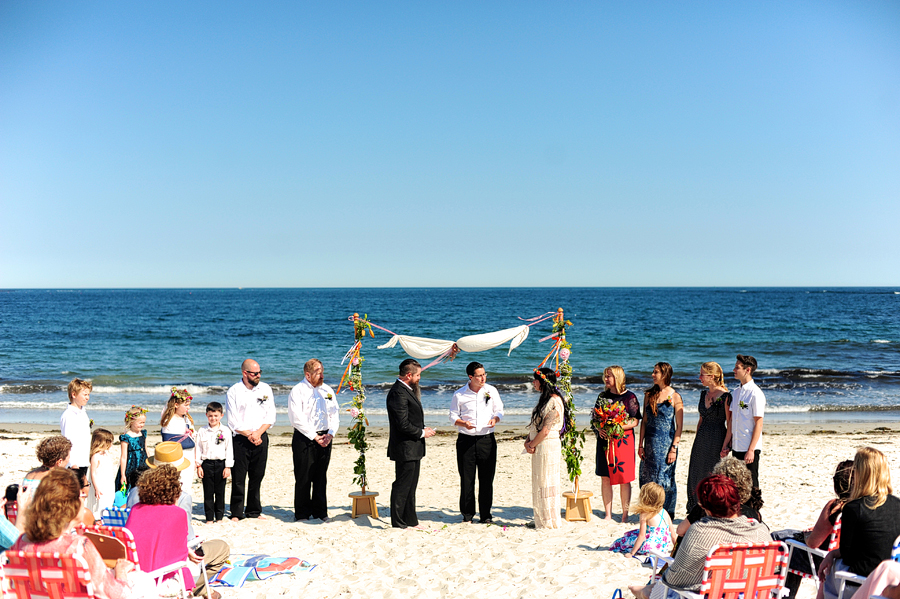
[406,445]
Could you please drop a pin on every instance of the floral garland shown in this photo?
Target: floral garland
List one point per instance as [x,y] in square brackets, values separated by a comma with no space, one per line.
[357,432]
[572,439]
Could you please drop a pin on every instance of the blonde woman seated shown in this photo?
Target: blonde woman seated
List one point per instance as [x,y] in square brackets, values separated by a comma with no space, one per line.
[54,506]
[870,522]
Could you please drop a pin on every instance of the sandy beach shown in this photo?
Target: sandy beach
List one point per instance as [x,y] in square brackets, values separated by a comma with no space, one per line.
[365,557]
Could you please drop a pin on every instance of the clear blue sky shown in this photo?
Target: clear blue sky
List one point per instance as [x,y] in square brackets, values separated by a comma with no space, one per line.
[197,144]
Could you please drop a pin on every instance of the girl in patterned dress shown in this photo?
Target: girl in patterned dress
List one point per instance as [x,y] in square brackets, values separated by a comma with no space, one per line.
[656,532]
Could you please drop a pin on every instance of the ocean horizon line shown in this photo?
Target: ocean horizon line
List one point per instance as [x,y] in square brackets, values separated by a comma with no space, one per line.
[819,288]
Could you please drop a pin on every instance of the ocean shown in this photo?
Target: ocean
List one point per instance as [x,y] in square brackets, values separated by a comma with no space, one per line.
[825,354]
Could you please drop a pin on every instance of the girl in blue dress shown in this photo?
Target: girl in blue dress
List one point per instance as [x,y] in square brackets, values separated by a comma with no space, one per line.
[134,447]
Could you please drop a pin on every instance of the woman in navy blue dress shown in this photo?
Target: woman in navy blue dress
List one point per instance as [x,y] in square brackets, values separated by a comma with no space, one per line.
[660,434]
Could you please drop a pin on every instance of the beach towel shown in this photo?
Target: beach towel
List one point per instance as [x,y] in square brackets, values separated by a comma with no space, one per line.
[243,567]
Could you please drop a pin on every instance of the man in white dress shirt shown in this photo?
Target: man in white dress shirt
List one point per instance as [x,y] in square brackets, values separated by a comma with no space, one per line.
[475,410]
[313,412]
[250,409]
[748,406]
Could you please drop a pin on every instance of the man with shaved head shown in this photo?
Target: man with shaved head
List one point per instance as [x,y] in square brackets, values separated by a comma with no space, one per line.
[250,410]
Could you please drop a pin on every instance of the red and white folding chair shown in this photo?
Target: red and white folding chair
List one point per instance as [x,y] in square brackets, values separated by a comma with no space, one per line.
[833,543]
[739,570]
[47,576]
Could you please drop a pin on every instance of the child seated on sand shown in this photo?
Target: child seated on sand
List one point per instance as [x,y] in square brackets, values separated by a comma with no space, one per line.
[656,530]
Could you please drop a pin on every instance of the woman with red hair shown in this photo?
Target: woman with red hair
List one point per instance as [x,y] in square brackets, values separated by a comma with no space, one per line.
[722,524]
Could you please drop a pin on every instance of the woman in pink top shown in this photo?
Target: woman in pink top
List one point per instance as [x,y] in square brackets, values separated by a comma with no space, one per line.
[160,527]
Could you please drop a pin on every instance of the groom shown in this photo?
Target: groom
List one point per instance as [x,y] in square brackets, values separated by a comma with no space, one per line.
[406,445]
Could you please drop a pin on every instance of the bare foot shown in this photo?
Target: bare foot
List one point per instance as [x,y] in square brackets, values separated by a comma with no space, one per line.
[608,517]
[262,517]
[235,520]
[624,517]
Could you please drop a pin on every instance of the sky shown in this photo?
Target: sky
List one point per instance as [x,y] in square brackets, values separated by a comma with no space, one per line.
[411,144]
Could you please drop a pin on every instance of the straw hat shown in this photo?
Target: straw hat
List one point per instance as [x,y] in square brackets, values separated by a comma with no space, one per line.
[168,453]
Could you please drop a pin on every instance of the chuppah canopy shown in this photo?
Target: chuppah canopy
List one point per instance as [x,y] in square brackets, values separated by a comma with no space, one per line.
[424,348]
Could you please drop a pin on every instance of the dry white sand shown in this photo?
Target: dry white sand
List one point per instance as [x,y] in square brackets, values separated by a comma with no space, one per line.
[367,558]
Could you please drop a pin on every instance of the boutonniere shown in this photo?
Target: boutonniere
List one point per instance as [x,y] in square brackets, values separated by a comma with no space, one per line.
[329,396]
[220,438]
[743,405]
[91,425]
[487,397]
[262,399]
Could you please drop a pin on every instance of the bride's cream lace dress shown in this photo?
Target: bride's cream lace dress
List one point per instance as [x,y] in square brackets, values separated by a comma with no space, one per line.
[545,460]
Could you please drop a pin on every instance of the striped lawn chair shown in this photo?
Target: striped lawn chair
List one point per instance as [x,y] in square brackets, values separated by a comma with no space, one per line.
[742,570]
[117,532]
[124,535]
[833,542]
[846,576]
[12,511]
[115,516]
[47,575]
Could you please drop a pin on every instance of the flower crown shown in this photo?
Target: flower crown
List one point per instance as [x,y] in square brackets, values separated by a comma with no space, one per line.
[134,412]
[180,395]
[565,426]
[537,372]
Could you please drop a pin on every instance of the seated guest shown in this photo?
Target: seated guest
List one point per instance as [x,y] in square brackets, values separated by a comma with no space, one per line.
[869,524]
[8,533]
[85,516]
[214,551]
[819,536]
[52,452]
[159,526]
[723,523]
[737,471]
[882,581]
[54,505]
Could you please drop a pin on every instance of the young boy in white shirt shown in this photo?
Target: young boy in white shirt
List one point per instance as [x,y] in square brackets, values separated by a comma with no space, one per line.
[214,462]
[748,406]
[75,425]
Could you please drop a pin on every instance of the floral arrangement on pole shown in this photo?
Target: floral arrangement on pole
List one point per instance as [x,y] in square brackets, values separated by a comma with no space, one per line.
[572,439]
[353,376]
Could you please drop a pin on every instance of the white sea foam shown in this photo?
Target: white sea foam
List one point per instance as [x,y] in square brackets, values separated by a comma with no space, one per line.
[151,389]
[881,340]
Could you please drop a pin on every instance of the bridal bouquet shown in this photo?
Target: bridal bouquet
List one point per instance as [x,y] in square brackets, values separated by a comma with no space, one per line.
[610,418]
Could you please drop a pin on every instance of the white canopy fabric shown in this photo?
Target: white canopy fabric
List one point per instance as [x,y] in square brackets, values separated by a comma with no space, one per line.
[424,348]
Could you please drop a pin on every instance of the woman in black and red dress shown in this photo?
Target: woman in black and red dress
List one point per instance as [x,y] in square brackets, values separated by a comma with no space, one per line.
[615,465]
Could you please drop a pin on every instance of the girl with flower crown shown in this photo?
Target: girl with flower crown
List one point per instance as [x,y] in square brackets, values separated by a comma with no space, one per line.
[133,460]
[178,426]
